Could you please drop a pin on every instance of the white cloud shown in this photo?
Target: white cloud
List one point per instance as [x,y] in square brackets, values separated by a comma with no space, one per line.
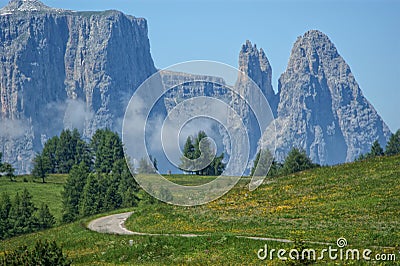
[12,128]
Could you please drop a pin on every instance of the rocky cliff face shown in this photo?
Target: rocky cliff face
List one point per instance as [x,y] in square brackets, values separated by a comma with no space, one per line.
[321,107]
[255,73]
[64,69]
[185,86]
[254,63]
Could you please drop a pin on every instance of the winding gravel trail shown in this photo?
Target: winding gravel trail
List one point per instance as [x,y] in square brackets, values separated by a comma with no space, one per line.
[114,224]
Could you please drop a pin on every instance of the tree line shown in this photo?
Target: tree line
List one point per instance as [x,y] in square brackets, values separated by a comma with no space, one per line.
[98,180]
[20,216]
[193,151]
[43,253]
[265,165]
[392,148]
[89,192]
[297,159]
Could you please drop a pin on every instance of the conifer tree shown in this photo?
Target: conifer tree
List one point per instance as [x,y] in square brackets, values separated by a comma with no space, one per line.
[393,146]
[376,150]
[39,170]
[73,190]
[92,200]
[5,208]
[202,155]
[45,218]
[297,160]
[48,155]
[21,214]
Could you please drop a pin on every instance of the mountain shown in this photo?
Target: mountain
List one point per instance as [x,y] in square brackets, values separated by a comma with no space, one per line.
[64,69]
[254,63]
[321,107]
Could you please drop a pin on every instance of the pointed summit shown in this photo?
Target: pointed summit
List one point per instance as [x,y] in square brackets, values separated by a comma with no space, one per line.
[322,109]
[254,63]
[311,51]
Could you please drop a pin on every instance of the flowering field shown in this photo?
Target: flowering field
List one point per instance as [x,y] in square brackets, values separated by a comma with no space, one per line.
[358,201]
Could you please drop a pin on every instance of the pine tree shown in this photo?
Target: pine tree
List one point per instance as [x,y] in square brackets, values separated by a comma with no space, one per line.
[188,153]
[83,154]
[39,170]
[92,198]
[73,190]
[393,146]
[275,169]
[14,216]
[129,198]
[66,150]
[376,150]
[21,214]
[43,253]
[112,199]
[107,148]
[48,155]
[27,211]
[127,187]
[204,154]
[45,218]
[188,149]
[8,170]
[217,166]
[5,208]
[203,157]
[297,160]
[201,135]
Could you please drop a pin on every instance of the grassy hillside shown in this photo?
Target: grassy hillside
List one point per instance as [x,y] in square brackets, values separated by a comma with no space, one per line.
[358,201]
[85,247]
[49,192]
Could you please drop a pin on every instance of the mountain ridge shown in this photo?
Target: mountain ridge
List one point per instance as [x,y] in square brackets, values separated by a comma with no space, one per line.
[88,64]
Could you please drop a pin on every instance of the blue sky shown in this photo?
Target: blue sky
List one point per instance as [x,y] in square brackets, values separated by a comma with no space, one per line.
[366,34]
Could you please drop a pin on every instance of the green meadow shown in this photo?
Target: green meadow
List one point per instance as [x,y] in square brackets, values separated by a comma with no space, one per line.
[358,201]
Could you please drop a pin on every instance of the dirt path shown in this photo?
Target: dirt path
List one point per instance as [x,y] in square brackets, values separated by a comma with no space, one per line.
[114,224]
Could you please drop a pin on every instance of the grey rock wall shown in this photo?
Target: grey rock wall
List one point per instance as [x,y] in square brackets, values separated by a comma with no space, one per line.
[64,69]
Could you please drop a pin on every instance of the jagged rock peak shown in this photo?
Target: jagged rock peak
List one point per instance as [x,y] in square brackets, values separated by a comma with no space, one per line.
[311,52]
[246,47]
[250,55]
[315,35]
[321,106]
[315,39]
[255,64]
[264,63]
[26,6]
